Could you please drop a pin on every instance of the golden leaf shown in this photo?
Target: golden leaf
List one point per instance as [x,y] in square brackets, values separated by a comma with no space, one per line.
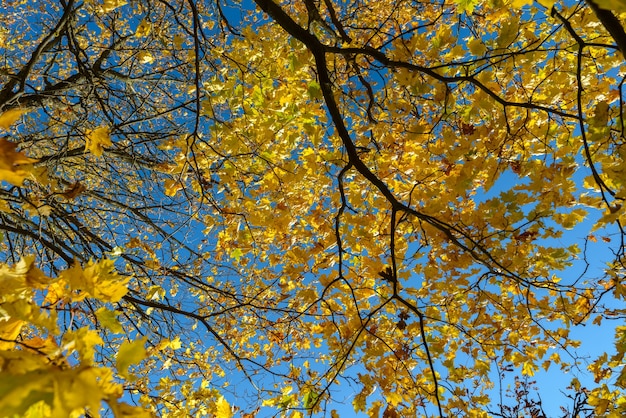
[129,353]
[97,139]
[145,57]
[110,5]
[223,409]
[98,280]
[144,28]
[14,166]
[172,187]
[9,330]
[9,117]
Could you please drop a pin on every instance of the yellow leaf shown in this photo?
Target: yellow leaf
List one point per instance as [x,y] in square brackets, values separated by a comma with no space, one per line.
[48,346]
[4,207]
[17,308]
[38,410]
[178,41]
[9,330]
[110,5]
[223,409]
[600,404]
[84,341]
[75,390]
[172,187]
[465,6]
[547,3]
[144,28]
[477,47]
[155,293]
[41,175]
[98,280]
[14,166]
[108,319]
[12,277]
[97,139]
[175,343]
[570,220]
[145,57]
[529,368]
[393,398]
[35,278]
[236,254]
[130,352]
[9,117]
[508,33]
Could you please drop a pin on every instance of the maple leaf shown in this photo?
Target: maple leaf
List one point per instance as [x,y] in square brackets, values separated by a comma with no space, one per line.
[73,191]
[98,280]
[129,353]
[145,57]
[236,254]
[97,139]
[172,187]
[10,328]
[14,166]
[143,29]
[520,3]
[223,408]
[108,319]
[466,6]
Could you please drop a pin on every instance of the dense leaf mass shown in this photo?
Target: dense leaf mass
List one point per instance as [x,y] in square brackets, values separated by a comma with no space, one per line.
[304,207]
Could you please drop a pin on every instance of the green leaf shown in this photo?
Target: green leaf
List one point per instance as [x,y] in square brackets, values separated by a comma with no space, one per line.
[465,6]
[315,90]
[108,319]
[310,399]
[130,352]
[236,254]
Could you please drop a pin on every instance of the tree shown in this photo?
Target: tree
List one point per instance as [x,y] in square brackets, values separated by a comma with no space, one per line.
[219,208]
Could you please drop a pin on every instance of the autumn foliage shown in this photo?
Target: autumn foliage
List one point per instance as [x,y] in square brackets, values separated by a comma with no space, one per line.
[311,207]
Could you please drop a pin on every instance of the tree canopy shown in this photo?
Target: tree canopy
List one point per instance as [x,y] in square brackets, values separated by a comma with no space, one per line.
[290,208]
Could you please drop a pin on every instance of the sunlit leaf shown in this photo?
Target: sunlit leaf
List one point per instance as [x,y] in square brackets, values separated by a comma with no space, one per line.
[130,353]
[223,409]
[97,139]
